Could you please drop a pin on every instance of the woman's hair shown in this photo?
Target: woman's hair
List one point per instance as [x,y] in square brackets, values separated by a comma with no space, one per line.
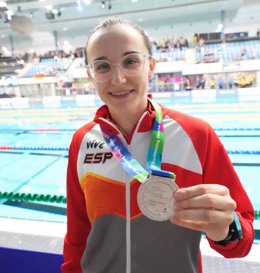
[111,21]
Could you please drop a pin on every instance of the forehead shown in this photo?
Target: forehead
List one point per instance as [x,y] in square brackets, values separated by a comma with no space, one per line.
[115,40]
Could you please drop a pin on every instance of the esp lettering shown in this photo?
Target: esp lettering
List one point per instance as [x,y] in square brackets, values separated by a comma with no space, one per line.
[92,158]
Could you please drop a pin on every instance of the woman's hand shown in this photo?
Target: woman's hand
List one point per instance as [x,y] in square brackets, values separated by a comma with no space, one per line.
[208,208]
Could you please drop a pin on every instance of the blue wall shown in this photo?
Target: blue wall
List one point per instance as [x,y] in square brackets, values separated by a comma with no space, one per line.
[23,261]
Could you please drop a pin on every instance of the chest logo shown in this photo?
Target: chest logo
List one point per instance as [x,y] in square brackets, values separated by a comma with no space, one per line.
[95,144]
[95,158]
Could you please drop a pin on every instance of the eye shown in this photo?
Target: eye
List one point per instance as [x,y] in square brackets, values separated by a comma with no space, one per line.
[132,61]
[101,67]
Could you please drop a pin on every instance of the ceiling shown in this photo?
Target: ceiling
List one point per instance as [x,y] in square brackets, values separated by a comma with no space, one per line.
[77,17]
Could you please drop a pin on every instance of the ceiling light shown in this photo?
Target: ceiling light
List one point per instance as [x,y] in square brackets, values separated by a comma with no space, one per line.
[79,6]
[3,4]
[8,15]
[220,28]
[49,7]
[51,14]
[55,11]
[87,2]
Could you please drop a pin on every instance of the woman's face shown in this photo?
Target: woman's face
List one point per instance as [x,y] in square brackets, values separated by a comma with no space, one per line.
[121,91]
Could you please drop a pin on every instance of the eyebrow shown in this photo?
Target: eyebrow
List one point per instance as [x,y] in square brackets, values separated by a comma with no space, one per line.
[125,54]
[131,52]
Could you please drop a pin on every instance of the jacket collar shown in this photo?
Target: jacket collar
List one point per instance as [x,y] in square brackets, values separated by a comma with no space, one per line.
[103,118]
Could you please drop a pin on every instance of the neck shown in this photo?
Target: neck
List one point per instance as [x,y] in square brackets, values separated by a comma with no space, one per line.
[126,121]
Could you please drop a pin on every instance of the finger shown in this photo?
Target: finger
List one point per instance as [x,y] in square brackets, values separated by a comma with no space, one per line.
[184,193]
[203,216]
[188,224]
[207,201]
[214,231]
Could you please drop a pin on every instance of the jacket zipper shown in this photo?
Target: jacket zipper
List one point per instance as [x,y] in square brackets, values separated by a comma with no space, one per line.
[128,224]
[127,203]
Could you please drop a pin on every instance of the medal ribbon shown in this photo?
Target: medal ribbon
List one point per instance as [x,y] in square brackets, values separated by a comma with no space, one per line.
[157,140]
[131,165]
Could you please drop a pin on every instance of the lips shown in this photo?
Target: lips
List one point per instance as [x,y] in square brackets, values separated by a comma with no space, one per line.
[120,93]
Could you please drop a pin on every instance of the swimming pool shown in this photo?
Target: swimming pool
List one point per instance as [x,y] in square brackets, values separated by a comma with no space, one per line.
[34,145]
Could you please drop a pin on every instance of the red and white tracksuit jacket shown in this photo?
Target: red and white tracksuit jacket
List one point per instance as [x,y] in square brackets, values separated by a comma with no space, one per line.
[106,231]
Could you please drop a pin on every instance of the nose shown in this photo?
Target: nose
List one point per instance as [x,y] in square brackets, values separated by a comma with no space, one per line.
[118,75]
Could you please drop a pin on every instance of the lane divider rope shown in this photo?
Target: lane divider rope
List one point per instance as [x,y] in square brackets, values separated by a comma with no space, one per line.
[237,129]
[26,148]
[38,130]
[47,198]
[74,129]
[33,197]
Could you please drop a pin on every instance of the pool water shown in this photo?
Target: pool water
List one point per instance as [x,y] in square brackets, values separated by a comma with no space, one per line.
[34,146]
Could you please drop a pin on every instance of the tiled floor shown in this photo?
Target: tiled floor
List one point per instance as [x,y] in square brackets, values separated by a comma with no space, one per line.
[32,235]
[212,264]
[48,237]
[215,263]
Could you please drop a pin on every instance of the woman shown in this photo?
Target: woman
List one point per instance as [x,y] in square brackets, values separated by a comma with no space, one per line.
[143,181]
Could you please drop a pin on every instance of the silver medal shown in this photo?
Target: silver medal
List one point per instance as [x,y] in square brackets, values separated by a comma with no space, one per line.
[155,198]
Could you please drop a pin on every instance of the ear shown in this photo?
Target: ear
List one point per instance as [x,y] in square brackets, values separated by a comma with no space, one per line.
[152,64]
[89,75]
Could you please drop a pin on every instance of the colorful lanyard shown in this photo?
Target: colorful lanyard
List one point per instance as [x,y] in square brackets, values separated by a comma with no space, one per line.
[131,165]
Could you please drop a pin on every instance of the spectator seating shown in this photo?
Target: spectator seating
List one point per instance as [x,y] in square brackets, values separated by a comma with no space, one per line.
[8,66]
[48,67]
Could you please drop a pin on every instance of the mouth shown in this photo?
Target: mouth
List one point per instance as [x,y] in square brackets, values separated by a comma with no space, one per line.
[121,94]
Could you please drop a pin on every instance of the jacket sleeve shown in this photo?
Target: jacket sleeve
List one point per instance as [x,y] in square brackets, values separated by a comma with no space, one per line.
[78,225]
[217,168]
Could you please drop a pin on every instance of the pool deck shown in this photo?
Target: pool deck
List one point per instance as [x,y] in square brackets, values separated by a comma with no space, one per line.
[48,237]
